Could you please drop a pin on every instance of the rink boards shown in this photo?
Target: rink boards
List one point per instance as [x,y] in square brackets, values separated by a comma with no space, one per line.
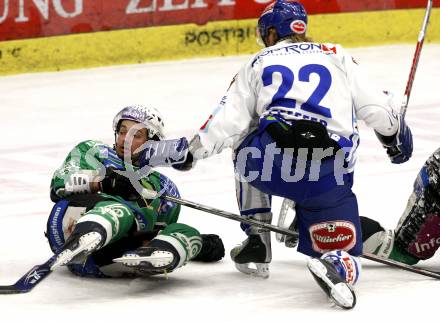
[217,38]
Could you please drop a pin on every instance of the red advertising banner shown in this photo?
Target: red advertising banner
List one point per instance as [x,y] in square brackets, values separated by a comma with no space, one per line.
[21,19]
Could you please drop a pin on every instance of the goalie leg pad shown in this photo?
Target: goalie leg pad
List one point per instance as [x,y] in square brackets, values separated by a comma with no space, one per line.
[418,230]
[426,239]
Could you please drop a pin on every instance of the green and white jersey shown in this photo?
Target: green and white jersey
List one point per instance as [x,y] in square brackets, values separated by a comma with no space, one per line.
[93,158]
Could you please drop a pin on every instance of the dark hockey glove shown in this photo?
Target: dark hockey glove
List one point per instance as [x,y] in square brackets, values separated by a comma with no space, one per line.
[117,184]
[212,250]
[400,145]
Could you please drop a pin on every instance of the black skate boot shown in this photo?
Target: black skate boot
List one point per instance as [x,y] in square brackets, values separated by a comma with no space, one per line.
[87,237]
[157,258]
[256,249]
[331,282]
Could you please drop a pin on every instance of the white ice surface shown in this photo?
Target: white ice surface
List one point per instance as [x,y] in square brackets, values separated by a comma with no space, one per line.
[44,115]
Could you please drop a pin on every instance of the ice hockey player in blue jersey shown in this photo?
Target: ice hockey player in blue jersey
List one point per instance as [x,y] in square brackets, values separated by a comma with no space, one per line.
[290,116]
[101,225]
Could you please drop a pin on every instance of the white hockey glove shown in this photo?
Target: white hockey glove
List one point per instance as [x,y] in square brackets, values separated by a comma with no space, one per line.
[78,183]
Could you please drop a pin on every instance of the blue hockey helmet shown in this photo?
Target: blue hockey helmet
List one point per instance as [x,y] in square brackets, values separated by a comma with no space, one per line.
[288,17]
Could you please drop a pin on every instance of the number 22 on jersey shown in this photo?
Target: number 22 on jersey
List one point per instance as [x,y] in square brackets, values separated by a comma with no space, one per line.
[312,104]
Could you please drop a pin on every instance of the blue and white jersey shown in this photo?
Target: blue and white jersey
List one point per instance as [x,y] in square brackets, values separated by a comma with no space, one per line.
[310,81]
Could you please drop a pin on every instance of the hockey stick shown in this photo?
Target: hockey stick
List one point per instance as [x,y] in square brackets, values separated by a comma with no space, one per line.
[229,215]
[225,214]
[394,150]
[39,272]
[416,58]
[30,279]
[403,266]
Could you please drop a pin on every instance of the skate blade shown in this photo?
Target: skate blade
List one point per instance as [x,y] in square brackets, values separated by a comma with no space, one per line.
[261,270]
[341,294]
[156,261]
[86,244]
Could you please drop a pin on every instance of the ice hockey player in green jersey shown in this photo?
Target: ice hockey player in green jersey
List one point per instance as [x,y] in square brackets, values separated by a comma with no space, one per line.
[101,225]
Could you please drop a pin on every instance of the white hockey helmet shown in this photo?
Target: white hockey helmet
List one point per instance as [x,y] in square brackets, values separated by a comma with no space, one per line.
[148,116]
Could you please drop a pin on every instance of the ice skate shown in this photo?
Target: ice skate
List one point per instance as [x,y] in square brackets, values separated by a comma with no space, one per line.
[253,256]
[156,258]
[328,278]
[85,239]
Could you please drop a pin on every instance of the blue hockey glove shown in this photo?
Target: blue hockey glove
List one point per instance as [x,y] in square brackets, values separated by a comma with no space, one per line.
[400,145]
[165,153]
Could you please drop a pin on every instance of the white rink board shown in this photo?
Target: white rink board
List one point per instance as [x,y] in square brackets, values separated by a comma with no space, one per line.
[44,115]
